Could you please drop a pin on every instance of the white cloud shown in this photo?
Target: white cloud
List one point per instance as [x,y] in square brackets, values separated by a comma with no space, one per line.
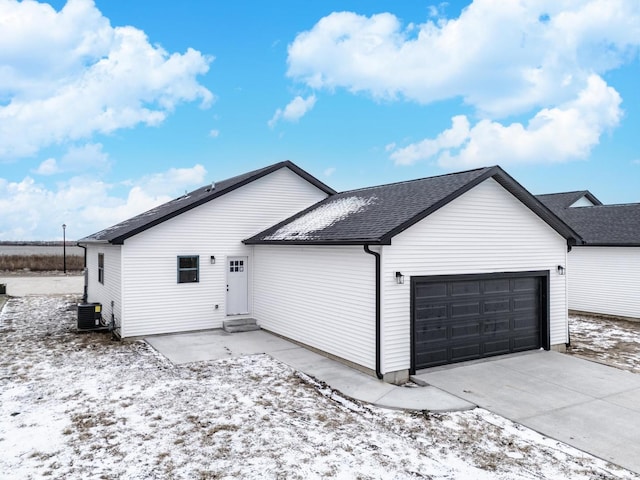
[558,134]
[47,167]
[214,133]
[499,56]
[541,58]
[32,211]
[329,171]
[294,110]
[67,75]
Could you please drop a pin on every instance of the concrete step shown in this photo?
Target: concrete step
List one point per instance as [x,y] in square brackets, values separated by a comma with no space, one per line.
[240,325]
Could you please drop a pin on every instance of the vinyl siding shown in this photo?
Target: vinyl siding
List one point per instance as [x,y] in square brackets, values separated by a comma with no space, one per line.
[485,230]
[110,290]
[155,302]
[321,296]
[605,280]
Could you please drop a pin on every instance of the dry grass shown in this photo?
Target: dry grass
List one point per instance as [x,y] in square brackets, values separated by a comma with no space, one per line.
[40,263]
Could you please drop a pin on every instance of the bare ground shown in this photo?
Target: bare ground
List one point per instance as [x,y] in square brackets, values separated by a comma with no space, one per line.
[79,405]
[614,342]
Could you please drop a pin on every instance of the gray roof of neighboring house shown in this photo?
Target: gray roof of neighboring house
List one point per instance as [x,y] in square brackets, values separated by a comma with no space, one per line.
[599,225]
[118,233]
[374,215]
[556,201]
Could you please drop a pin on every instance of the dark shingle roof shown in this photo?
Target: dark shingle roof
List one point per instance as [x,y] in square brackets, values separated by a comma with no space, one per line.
[556,201]
[118,233]
[604,225]
[374,215]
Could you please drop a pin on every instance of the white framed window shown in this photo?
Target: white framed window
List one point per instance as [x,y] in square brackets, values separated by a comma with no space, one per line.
[101,268]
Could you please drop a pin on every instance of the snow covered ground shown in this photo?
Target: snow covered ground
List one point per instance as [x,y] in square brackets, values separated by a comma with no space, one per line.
[79,405]
[606,340]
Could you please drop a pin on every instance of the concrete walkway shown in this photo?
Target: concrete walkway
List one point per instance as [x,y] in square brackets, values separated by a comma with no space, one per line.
[217,344]
[590,406]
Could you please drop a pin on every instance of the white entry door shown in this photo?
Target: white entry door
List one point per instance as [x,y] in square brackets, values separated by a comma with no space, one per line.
[237,291]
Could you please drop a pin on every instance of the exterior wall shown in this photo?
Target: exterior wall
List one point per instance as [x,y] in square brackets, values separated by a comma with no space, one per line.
[320,296]
[153,300]
[485,230]
[582,202]
[110,291]
[605,280]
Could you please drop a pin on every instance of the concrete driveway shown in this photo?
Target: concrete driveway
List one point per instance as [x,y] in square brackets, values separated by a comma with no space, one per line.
[593,407]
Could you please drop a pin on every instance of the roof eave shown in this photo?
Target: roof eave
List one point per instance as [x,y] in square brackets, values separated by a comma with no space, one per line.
[609,244]
[361,241]
[91,241]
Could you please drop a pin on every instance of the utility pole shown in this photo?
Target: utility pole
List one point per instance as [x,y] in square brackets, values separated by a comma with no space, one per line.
[64,248]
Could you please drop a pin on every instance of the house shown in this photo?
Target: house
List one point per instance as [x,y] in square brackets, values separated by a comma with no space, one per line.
[182,266]
[390,279]
[604,271]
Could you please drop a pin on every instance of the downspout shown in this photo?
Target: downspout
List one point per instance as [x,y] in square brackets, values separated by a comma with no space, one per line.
[377,256]
[85,293]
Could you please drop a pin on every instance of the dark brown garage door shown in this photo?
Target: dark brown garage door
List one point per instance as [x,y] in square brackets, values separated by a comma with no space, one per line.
[459,318]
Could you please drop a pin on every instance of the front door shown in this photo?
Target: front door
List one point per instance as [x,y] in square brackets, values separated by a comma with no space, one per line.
[237,291]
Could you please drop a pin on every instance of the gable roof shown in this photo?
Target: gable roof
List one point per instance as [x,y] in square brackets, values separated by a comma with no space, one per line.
[376,214]
[118,233]
[599,225]
[563,200]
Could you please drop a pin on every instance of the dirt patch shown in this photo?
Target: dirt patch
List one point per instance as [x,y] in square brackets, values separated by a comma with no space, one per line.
[614,342]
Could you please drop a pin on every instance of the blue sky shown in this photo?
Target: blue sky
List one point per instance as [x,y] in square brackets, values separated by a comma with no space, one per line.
[108,108]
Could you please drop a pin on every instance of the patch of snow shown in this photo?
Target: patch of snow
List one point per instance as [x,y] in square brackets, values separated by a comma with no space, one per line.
[320,218]
[79,405]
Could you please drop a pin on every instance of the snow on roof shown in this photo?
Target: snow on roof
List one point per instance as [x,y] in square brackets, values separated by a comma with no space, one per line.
[320,218]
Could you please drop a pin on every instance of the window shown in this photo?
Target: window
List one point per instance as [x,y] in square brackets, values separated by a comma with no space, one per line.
[236,265]
[188,269]
[101,268]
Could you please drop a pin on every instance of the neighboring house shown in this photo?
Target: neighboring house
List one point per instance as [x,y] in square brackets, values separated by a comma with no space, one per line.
[604,271]
[390,279]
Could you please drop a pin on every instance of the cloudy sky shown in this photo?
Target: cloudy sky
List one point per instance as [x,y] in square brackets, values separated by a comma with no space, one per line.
[109,107]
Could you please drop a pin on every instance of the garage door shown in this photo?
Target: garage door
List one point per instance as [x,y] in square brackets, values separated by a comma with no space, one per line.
[460,318]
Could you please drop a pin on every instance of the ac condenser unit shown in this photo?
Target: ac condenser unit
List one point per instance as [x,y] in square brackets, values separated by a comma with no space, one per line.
[89,316]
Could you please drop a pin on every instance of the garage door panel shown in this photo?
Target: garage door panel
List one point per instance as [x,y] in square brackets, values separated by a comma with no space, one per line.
[433,357]
[459,310]
[459,289]
[469,319]
[498,305]
[464,330]
[431,334]
[433,312]
[435,290]
[525,303]
[461,353]
[501,285]
[525,284]
[493,326]
[522,343]
[497,347]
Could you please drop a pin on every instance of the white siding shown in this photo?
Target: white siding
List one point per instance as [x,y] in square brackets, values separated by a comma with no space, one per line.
[605,280]
[582,202]
[153,300]
[110,291]
[320,296]
[485,230]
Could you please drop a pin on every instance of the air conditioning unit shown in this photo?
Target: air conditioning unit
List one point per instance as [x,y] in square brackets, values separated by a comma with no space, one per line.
[89,316]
